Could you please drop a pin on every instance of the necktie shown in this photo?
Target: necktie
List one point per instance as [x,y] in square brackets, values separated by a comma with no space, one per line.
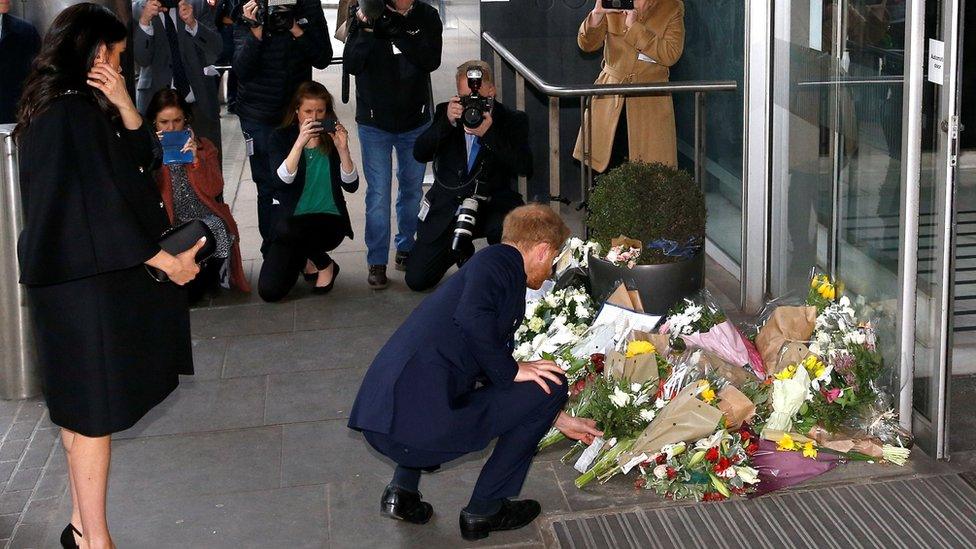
[475,147]
[179,73]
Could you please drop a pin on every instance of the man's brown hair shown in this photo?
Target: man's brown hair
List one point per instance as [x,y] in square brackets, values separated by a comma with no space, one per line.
[486,76]
[532,224]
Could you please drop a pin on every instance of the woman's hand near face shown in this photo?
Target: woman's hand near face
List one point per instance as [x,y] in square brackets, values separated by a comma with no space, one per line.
[308,130]
[596,16]
[191,145]
[107,80]
[341,138]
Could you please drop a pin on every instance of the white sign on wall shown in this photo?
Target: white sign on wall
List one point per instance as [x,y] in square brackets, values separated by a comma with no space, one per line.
[816,25]
[936,61]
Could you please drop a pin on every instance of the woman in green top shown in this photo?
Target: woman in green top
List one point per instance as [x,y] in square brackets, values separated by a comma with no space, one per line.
[313,167]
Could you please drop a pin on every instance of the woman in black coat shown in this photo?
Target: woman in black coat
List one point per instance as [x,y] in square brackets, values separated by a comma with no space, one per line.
[312,168]
[111,340]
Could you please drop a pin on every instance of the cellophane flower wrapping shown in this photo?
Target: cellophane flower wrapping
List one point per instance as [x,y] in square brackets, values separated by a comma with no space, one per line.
[778,470]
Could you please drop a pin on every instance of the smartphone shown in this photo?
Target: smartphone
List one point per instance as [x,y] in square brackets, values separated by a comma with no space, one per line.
[329,125]
[173,143]
[618,4]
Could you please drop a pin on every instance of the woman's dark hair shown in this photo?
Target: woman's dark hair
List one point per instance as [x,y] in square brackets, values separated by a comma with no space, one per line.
[67,55]
[164,99]
[312,90]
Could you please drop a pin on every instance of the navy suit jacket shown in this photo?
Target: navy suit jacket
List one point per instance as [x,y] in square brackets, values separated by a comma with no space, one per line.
[19,44]
[417,388]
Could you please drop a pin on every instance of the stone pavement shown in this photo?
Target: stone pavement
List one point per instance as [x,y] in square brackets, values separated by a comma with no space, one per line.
[253,450]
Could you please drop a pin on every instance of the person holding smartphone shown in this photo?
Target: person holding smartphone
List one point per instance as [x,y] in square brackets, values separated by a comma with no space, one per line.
[639,45]
[312,166]
[190,191]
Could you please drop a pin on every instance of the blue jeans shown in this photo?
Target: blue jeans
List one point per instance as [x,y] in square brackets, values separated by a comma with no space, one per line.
[262,175]
[378,147]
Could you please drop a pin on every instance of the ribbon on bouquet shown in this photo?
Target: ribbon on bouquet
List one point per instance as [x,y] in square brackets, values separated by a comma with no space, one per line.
[672,248]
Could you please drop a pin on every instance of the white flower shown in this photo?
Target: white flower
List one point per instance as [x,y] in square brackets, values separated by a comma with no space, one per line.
[619,398]
[537,340]
[536,324]
[648,415]
[582,312]
[530,308]
[728,472]
[712,441]
[635,387]
[552,300]
[660,403]
[524,351]
[661,472]
[748,475]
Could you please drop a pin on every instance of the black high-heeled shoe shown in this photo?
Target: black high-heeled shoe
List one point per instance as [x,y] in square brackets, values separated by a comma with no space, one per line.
[310,277]
[328,287]
[68,537]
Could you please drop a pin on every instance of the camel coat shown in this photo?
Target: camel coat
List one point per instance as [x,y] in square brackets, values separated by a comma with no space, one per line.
[659,34]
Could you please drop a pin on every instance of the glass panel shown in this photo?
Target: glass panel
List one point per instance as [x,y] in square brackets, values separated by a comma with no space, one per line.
[868,105]
[932,255]
[714,42]
[802,141]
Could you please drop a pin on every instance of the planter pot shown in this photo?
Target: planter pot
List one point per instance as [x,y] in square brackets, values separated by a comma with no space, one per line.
[659,286]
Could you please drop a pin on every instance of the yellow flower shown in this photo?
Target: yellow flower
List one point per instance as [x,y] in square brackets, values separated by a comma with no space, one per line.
[814,282]
[786,444]
[809,450]
[708,394]
[635,348]
[786,373]
[815,366]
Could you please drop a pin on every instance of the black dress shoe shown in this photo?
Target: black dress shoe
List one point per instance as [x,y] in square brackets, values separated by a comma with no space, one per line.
[328,287]
[512,516]
[68,537]
[404,505]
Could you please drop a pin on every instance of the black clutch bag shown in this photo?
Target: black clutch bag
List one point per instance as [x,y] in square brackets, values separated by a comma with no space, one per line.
[181,238]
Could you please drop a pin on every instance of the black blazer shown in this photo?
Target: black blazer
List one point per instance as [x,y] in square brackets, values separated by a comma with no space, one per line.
[288,194]
[504,155]
[19,45]
[90,203]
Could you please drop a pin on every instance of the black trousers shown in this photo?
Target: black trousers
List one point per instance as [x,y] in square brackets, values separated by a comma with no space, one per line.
[432,256]
[620,150]
[207,280]
[519,415]
[298,238]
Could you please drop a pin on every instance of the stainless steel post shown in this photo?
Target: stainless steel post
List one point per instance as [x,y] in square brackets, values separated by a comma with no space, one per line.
[554,150]
[18,371]
[700,138]
[523,185]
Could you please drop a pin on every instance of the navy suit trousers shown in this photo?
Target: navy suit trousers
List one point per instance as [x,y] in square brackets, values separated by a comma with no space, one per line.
[519,415]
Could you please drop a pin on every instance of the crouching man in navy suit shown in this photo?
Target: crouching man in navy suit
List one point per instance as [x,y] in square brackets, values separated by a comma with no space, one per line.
[446,385]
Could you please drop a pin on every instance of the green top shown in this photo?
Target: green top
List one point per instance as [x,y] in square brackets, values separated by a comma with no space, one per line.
[317,197]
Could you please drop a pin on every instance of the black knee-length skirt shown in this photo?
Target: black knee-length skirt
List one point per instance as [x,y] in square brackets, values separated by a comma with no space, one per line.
[110,347]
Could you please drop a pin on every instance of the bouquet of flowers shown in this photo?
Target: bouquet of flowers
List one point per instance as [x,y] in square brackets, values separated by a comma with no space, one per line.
[624,254]
[822,292]
[576,253]
[553,321]
[692,316]
[712,470]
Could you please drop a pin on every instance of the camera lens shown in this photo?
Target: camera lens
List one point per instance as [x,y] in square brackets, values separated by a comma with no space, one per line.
[472,117]
[464,226]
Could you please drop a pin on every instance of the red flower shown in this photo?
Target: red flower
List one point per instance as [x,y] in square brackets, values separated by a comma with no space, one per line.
[739,491]
[713,496]
[598,360]
[745,435]
[661,459]
[722,465]
[640,483]
[736,459]
[577,387]
[672,474]
[712,454]
[646,464]
[752,448]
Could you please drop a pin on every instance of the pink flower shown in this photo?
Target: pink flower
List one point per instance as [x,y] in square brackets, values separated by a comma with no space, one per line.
[832,394]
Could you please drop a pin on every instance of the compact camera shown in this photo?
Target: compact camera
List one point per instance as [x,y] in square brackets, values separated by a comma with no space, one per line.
[276,16]
[475,105]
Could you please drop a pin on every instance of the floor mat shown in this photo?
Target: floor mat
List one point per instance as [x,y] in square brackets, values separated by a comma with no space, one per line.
[921,512]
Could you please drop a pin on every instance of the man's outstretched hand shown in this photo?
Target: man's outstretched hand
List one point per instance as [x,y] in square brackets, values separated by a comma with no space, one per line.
[539,371]
[577,428]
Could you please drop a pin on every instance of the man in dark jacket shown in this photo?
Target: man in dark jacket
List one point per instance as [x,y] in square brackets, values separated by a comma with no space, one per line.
[480,161]
[19,44]
[270,64]
[392,58]
[421,404]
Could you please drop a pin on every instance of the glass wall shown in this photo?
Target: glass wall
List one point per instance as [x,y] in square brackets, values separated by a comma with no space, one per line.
[836,151]
[714,50]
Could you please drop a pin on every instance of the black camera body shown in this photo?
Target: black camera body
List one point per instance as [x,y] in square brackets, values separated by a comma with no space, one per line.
[475,106]
[170,4]
[276,16]
[618,4]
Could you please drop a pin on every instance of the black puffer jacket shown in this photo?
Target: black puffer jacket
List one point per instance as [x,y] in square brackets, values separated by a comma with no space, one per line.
[393,91]
[270,70]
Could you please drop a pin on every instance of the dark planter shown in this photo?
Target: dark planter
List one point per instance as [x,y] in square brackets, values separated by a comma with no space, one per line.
[659,286]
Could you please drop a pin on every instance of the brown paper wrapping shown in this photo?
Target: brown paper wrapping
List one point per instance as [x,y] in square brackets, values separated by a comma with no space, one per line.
[786,324]
[637,369]
[628,299]
[792,353]
[685,418]
[613,365]
[842,442]
[736,406]
[628,242]
[736,375]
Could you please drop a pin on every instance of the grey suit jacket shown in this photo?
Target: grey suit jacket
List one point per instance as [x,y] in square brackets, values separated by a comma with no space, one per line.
[152,56]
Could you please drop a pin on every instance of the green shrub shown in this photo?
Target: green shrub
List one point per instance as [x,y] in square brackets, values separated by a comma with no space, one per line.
[646,202]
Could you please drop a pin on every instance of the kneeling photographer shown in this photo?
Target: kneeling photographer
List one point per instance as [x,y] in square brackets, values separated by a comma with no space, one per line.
[479,148]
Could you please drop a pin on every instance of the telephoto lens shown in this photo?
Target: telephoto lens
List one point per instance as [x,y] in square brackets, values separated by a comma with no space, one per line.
[464,229]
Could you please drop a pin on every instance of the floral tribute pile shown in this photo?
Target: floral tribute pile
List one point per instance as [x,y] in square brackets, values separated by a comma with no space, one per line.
[702,408]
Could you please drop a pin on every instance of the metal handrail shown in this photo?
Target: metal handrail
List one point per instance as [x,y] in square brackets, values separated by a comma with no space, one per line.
[858,81]
[586,93]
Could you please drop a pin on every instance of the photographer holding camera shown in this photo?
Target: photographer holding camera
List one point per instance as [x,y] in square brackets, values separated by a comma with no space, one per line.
[277,42]
[478,147]
[392,47]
